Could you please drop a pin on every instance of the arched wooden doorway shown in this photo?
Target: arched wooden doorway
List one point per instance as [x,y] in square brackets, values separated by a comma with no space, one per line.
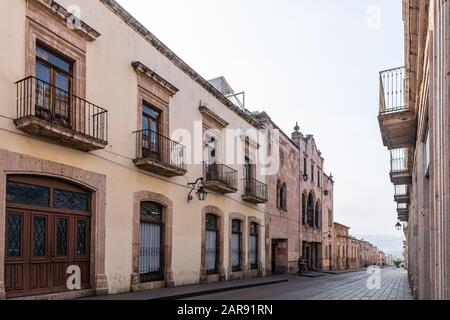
[48,223]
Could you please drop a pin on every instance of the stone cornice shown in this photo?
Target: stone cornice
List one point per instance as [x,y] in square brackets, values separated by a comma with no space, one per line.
[140,67]
[206,112]
[183,66]
[62,15]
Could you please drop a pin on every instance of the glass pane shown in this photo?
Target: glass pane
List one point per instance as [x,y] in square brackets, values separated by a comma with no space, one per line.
[253,229]
[145,123]
[14,235]
[235,250]
[151,212]
[236,226]
[53,59]
[81,238]
[43,72]
[150,248]
[253,250]
[40,230]
[27,194]
[64,199]
[211,221]
[61,237]
[62,96]
[62,82]
[151,113]
[211,250]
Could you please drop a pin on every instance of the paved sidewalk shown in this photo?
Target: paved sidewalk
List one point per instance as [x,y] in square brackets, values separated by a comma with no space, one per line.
[183,292]
[393,286]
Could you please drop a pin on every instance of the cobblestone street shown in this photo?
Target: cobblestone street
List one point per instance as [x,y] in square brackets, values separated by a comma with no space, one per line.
[346,286]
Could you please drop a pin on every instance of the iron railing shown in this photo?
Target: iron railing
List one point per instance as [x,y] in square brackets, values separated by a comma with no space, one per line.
[255,188]
[220,173]
[40,99]
[402,190]
[399,160]
[151,144]
[392,90]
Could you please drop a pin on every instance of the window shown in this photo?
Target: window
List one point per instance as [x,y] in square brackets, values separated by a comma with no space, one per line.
[281,196]
[304,209]
[310,214]
[54,80]
[151,250]
[305,166]
[312,173]
[151,138]
[318,178]
[253,246]
[236,245]
[27,194]
[427,154]
[211,244]
[317,216]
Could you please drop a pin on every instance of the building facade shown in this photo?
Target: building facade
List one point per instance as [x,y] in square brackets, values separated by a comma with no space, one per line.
[95,160]
[414,121]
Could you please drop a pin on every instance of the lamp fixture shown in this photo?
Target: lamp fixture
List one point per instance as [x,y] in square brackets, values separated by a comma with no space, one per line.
[305,177]
[398,226]
[201,192]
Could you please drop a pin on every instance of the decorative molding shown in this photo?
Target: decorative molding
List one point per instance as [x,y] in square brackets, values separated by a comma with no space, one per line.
[140,67]
[62,15]
[177,61]
[211,115]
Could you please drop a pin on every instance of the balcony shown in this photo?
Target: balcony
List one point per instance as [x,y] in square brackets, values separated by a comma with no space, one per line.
[400,167]
[402,194]
[220,178]
[403,212]
[159,154]
[59,117]
[397,121]
[254,191]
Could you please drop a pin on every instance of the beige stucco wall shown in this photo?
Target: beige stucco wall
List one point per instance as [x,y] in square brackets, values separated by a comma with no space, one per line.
[112,84]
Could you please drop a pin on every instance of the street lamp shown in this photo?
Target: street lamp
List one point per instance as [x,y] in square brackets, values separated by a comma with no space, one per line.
[398,226]
[305,177]
[201,192]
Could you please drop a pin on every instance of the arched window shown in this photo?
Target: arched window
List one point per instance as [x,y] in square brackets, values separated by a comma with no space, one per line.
[278,195]
[236,245]
[283,194]
[303,209]
[151,250]
[211,244]
[253,246]
[317,216]
[310,215]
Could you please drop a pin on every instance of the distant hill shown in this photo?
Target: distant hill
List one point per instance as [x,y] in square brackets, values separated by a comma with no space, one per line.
[388,243]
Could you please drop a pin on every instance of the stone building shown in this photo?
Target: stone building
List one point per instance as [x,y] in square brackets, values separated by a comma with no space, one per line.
[99,123]
[283,208]
[316,203]
[414,121]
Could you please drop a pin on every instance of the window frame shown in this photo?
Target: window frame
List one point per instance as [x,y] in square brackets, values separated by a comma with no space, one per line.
[233,232]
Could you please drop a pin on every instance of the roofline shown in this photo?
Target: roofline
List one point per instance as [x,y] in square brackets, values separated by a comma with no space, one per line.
[133,23]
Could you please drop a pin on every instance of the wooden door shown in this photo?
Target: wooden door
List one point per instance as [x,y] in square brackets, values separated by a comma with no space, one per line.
[42,242]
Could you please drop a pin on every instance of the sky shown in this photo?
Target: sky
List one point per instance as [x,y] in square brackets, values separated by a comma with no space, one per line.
[311,61]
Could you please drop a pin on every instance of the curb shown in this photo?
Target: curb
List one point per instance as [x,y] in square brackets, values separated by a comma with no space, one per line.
[218,290]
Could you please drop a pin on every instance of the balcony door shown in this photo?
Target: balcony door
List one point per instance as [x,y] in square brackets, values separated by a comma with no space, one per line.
[151,126]
[54,79]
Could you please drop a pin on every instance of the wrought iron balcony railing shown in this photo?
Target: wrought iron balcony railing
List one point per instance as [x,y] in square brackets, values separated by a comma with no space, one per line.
[399,160]
[392,90]
[255,191]
[401,191]
[221,174]
[40,100]
[402,206]
[159,153]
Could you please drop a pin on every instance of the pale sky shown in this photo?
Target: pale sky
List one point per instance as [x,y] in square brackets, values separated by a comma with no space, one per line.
[311,61]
